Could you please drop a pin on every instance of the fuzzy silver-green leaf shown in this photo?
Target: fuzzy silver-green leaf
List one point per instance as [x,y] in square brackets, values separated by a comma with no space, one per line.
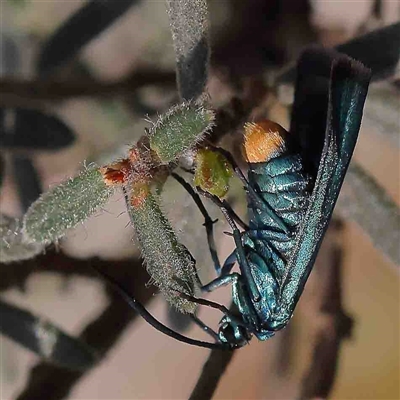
[179,129]
[12,246]
[168,262]
[189,27]
[65,205]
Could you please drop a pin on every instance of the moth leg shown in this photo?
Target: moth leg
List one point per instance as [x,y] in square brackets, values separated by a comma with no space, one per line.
[221,281]
[213,304]
[243,301]
[240,254]
[142,311]
[242,259]
[208,222]
[228,264]
[240,297]
[223,203]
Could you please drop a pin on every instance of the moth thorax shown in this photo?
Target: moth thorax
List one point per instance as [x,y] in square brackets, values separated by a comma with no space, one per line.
[263,141]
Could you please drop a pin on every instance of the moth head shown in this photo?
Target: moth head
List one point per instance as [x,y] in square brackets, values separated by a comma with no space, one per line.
[232,333]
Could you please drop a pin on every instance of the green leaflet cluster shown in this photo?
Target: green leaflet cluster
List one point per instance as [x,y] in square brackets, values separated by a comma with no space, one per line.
[64,206]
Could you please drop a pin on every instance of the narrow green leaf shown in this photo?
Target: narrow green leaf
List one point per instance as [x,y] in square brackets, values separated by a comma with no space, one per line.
[189,27]
[33,130]
[168,262]
[12,246]
[84,25]
[179,129]
[27,180]
[65,205]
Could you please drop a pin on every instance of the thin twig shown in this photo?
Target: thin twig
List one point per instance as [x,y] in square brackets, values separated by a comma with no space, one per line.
[53,261]
[54,383]
[381,113]
[17,92]
[212,372]
[367,203]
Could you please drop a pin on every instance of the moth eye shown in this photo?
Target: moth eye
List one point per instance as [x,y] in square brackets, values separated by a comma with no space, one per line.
[263,140]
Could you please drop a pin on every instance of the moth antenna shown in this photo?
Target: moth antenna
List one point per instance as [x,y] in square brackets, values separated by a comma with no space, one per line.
[155,323]
[121,213]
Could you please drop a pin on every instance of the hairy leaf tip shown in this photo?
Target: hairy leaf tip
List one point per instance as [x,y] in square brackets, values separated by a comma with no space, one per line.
[179,130]
[189,24]
[12,246]
[168,262]
[189,27]
[65,205]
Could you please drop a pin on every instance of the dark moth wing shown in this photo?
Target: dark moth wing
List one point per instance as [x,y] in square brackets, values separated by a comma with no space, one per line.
[345,100]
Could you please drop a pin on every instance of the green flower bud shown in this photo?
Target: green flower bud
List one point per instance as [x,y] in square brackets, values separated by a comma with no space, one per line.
[213,172]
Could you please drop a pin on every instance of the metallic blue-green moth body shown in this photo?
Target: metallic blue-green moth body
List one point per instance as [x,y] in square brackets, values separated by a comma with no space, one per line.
[284,185]
[294,180]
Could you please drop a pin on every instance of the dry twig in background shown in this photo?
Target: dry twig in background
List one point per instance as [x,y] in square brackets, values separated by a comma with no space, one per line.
[367,203]
[18,92]
[212,372]
[52,382]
